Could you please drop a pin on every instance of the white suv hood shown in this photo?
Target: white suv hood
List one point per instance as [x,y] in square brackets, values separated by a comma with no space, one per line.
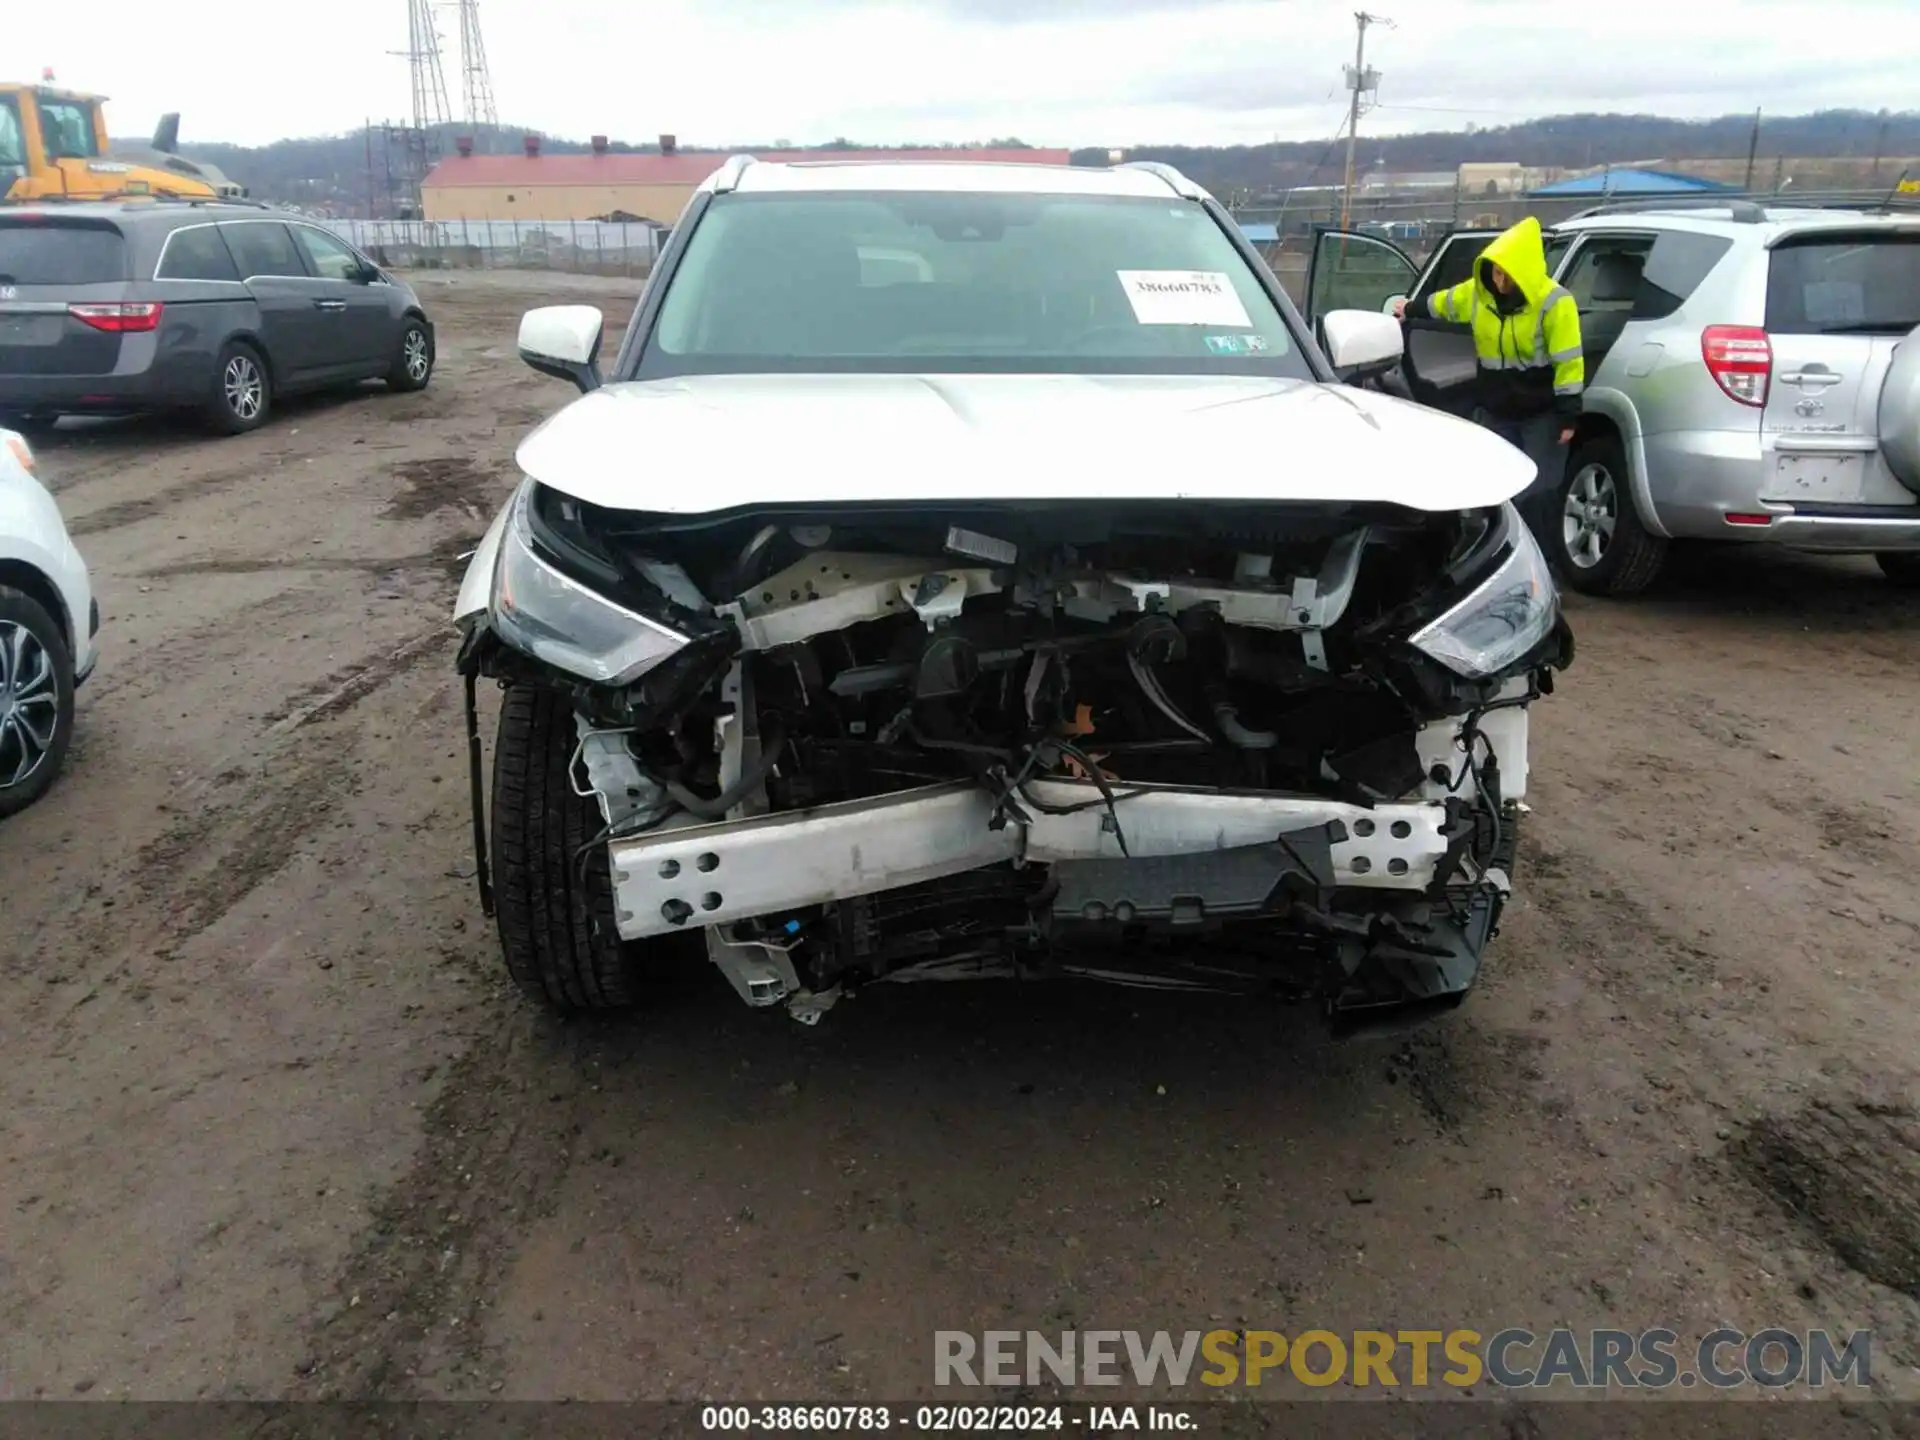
[713,443]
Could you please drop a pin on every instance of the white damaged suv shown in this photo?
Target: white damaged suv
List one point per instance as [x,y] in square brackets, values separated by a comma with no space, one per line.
[49,625]
[973,570]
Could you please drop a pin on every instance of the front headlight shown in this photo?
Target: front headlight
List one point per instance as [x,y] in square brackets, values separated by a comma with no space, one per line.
[1508,613]
[555,618]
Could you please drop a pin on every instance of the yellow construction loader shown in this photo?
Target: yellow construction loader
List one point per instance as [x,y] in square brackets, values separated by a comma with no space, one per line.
[54,146]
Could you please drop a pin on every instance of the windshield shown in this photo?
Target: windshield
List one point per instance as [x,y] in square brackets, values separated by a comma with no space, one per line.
[66,129]
[994,283]
[1845,285]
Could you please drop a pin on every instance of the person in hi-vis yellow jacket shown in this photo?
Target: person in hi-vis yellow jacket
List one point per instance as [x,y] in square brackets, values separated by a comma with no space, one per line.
[1526,338]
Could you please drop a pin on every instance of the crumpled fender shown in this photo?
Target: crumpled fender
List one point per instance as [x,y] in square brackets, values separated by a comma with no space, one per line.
[476,586]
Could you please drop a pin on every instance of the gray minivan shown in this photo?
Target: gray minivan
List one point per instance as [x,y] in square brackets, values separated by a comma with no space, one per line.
[219,308]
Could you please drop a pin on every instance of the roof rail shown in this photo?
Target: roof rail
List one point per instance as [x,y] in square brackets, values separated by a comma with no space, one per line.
[727,177]
[1752,207]
[1180,184]
[144,197]
[1746,212]
[1875,204]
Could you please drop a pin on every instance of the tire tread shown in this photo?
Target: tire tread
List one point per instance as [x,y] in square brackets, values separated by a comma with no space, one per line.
[557,937]
[1636,553]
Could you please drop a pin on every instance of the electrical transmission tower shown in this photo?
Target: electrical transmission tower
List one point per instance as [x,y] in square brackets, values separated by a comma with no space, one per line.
[423,59]
[477,84]
[400,155]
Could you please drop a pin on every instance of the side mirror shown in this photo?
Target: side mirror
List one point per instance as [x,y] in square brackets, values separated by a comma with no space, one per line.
[563,341]
[1360,342]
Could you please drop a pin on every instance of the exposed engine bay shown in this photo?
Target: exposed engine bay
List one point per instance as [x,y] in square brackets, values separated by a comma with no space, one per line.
[1247,747]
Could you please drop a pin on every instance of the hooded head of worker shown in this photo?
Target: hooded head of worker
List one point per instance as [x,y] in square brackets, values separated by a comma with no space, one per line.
[1513,267]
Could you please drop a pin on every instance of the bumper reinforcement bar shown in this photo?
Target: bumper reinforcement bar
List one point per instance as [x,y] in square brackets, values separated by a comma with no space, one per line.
[687,876]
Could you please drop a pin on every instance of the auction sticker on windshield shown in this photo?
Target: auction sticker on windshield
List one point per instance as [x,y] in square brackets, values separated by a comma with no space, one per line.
[1183,297]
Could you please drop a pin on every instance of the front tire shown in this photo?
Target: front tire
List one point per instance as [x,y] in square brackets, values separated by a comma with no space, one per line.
[1902,567]
[1598,544]
[242,390]
[413,357]
[36,700]
[554,906]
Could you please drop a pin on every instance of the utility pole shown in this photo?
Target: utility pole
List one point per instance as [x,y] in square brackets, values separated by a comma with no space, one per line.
[1360,82]
[1879,147]
[1753,150]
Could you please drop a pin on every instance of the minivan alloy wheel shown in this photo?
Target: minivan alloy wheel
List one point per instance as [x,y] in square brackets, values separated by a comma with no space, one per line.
[418,360]
[1590,515]
[245,387]
[29,704]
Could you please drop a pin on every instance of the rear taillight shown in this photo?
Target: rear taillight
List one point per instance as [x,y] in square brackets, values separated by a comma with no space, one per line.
[120,319]
[1740,359]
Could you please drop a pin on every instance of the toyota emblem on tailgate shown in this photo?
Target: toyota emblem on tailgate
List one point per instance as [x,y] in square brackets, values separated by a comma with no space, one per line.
[7,292]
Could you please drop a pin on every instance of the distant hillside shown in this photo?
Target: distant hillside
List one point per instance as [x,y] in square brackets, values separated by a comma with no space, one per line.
[1562,141]
[331,172]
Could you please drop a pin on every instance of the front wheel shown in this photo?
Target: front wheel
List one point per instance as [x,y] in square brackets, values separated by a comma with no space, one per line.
[36,700]
[1599,545]
[554,893]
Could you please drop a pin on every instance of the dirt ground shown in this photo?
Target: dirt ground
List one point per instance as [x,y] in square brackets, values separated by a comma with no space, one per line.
[272,1124]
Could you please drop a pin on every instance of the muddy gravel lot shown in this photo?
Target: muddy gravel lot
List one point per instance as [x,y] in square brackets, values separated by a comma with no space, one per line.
[274,1125]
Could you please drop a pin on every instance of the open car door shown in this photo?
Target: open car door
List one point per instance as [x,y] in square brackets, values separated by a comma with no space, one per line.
[1352,271]
[1439,364]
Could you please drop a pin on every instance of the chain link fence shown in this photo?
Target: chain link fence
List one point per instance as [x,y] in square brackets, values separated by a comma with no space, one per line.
[579,247]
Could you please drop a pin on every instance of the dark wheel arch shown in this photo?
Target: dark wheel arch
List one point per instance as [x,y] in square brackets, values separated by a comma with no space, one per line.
[252,340]
[18,575]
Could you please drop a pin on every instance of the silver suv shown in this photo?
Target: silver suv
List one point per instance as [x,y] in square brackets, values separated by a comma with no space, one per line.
[1752,374]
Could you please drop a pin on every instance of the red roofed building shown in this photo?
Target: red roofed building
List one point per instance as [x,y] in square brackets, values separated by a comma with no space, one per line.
[536,186]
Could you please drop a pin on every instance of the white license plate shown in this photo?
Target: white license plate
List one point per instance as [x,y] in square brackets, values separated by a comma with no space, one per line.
[1818,479]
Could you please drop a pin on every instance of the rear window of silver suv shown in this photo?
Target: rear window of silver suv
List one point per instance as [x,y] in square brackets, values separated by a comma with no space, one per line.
[1847,283]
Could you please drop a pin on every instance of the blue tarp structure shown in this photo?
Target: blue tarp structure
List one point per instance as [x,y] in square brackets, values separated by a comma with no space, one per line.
[1260,233]
[1630,182]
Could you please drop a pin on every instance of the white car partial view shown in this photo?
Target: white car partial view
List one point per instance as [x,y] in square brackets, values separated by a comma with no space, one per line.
[975,570]
[48,624]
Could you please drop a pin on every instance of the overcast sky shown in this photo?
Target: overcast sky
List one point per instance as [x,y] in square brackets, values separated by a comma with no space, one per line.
[1061,72]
